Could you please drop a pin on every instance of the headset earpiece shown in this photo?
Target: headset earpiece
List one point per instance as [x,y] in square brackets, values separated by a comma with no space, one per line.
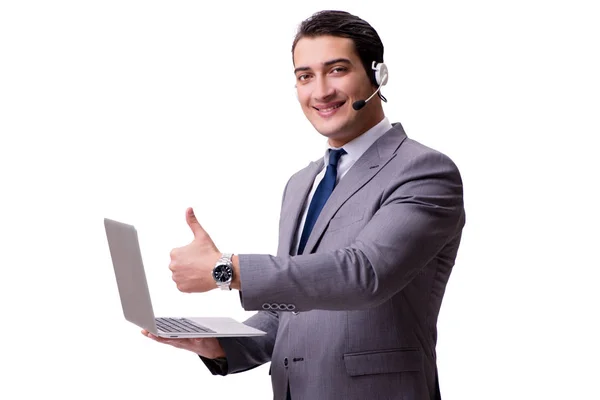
[381,73]
[381,77]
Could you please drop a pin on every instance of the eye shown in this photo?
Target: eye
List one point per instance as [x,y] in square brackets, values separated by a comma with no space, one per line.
[302,77]
[339,69]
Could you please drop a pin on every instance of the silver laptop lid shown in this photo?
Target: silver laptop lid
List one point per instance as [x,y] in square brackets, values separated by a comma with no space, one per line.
[129,272]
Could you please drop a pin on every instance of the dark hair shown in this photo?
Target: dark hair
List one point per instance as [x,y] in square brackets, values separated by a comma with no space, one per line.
[367,42]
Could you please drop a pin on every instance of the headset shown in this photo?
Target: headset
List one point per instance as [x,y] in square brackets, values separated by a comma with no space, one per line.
[381,77]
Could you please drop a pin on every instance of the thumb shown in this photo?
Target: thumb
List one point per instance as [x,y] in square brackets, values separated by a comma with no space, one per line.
[193,223]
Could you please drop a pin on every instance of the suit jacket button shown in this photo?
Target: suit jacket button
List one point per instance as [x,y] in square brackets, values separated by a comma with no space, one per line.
[285,362]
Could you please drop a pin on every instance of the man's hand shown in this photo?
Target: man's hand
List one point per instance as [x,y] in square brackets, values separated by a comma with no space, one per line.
[206,347]
[192,265]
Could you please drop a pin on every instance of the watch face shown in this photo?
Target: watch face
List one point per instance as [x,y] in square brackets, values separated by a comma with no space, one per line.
[222,273]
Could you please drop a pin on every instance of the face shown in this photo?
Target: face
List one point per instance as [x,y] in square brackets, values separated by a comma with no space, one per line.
[329,78]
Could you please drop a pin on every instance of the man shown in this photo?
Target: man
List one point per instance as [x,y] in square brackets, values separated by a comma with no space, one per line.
[368,236]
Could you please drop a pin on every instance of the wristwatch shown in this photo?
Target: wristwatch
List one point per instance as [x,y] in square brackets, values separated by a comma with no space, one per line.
[223,271]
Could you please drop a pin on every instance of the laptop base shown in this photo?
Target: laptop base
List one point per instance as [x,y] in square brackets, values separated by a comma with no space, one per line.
[214,326]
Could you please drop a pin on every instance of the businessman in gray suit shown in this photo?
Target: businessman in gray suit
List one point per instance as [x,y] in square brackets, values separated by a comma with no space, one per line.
[368,236]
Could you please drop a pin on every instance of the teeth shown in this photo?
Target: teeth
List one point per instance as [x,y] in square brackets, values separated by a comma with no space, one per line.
[330,108]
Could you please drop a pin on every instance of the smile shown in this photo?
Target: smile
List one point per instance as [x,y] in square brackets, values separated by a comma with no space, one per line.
[329,109]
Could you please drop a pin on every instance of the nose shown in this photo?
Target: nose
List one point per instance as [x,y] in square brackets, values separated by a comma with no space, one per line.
[323,89]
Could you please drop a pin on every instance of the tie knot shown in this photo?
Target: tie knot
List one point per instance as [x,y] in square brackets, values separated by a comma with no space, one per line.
[334,156]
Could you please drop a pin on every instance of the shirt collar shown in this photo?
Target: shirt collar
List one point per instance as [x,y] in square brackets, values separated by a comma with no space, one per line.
[357,146]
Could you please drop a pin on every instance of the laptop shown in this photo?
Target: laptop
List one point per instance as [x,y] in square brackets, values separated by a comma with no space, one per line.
[135,297]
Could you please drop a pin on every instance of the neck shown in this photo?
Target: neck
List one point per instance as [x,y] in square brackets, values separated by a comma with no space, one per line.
[369,123]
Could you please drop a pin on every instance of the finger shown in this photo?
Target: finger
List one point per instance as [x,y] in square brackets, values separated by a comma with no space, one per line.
[173,253]
[179,343]
[182,287]
[182,343]
[155,338]
[193,223]
[149,335]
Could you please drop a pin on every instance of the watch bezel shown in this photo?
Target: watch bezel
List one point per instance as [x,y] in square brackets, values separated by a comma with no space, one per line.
[223,265]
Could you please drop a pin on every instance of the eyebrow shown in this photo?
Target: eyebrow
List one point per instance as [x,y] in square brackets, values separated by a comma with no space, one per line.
[325,64]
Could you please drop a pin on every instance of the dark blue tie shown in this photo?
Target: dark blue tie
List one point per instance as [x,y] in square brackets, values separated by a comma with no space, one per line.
[321,195]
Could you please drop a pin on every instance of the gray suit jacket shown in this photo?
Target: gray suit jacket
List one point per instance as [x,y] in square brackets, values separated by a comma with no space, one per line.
[355,316]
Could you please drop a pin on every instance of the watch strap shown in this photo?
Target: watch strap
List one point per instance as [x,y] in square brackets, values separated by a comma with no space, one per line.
[226,257]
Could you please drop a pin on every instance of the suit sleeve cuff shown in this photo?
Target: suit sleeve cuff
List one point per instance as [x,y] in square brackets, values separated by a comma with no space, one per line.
[233,362]
[217,366]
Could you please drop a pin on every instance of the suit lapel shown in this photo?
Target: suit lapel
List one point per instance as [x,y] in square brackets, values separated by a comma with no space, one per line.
[297,193]
[365,168]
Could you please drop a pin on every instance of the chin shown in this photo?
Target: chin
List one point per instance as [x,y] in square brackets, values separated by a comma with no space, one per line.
[331,127]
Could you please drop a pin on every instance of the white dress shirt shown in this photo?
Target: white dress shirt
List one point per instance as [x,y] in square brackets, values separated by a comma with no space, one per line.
[354,150]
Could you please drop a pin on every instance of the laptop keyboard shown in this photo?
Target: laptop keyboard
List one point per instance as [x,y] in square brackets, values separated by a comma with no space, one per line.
[180,325]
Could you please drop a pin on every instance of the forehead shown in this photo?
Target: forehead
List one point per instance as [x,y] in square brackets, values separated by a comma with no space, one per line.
[312,52]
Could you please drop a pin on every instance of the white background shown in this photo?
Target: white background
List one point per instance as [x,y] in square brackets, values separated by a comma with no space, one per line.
[135,110]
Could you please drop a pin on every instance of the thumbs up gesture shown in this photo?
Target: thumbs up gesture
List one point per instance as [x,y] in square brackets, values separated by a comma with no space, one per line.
[192,265]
